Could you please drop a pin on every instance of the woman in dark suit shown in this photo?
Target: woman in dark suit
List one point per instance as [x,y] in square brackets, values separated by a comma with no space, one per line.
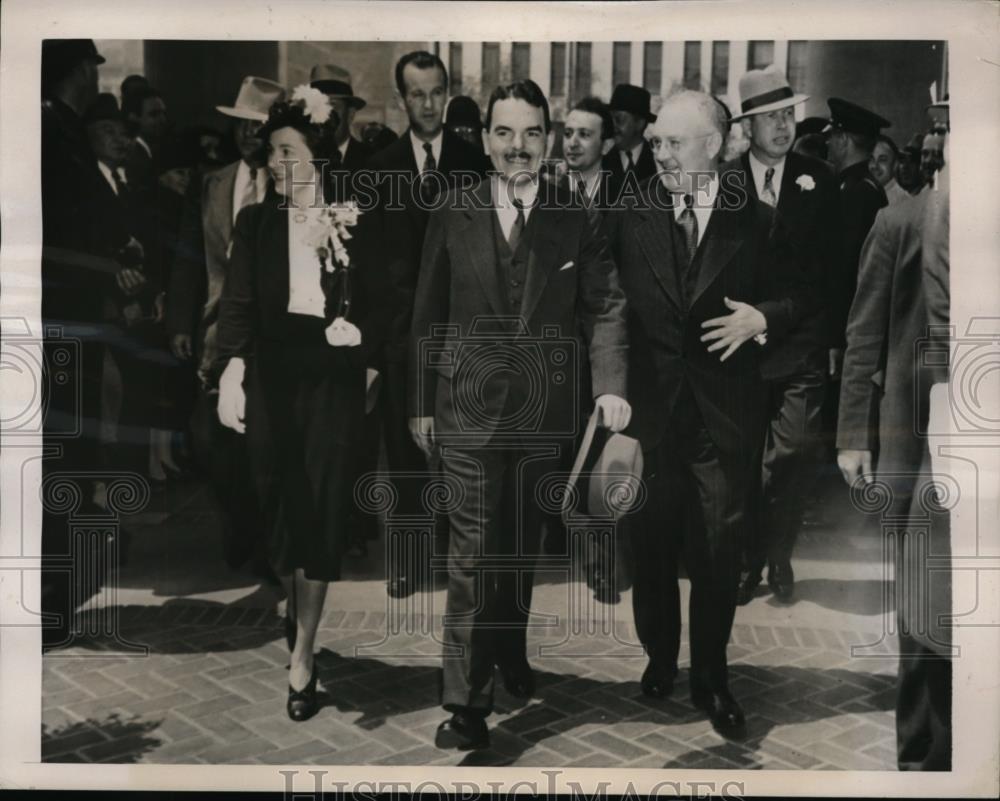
[302,318]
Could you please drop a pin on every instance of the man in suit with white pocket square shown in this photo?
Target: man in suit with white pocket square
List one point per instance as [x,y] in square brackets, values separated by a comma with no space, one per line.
[519,275]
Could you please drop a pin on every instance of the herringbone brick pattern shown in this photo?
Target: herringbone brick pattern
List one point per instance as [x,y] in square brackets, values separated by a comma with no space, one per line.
[212,688]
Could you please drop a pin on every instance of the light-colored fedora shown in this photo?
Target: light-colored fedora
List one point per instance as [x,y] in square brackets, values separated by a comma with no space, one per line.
[766,90]
[256,96]
[335,81]
[606,478]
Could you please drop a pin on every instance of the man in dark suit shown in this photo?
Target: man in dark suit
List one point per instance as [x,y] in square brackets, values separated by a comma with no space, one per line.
[75,286]
[146,114]
[851,137]
[425,160]
[196,282]
[904,256]
[698,268]
[588,136]
[632,155]
[335,83]
[802,192]
[512,268]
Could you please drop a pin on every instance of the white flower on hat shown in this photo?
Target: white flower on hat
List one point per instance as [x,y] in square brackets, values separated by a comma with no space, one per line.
[805,183]
[316,103]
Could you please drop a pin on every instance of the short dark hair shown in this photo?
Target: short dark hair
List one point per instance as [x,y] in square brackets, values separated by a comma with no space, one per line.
[594,105]
[422,60]
[133,100]
[526,90]
[321,138]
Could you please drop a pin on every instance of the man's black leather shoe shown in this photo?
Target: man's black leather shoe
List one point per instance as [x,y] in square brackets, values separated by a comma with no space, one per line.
[781,580]
[518,679]
[724,711]
[657,681]
[604,588]
[464,731]
[749,581]
[400,587]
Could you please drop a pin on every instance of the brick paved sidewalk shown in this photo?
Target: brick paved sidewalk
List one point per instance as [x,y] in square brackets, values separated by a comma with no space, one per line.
[212,691]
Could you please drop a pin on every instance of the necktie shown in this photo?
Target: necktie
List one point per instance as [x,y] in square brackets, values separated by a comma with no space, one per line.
[429,163]
[689,226]
[517,228]
[250,190]
[581,187]
[768,195]
[428,185]
[630,167]
[120,186]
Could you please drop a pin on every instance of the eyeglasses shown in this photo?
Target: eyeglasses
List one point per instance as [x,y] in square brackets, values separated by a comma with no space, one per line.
[675,143]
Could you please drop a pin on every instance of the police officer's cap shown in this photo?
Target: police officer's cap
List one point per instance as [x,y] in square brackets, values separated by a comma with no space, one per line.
[852,118]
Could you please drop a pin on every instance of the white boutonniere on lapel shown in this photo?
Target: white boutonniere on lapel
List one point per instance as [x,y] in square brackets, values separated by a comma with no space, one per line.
[805,183]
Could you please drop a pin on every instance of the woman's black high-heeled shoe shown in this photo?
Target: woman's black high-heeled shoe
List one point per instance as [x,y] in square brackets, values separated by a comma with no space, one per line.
[302,704]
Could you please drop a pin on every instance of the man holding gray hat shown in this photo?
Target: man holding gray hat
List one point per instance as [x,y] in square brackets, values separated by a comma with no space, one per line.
[197,277]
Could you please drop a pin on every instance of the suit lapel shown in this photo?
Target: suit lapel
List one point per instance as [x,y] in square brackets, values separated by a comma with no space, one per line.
[785,199]
[273,261]
[719,245]
[655,234]
[220,195]
[541,257]
[477,235]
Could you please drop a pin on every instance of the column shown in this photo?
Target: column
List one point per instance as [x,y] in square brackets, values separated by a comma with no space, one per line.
[636,64]
[541,66]
[601,59]
[673,65]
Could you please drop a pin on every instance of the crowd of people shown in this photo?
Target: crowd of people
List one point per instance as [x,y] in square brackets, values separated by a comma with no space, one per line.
[278,304]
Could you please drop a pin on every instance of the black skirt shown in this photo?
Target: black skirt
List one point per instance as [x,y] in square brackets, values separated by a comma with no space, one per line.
[304,419]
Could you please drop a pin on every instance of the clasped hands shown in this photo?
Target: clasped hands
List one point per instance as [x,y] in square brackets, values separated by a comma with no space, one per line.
[615,413]
[734,329]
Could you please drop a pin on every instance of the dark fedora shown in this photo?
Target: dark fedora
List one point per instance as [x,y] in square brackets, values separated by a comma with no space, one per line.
[59,56]
[633,99]
[852,118]
[606,479]
[335,82]
[105,107]
[810,125]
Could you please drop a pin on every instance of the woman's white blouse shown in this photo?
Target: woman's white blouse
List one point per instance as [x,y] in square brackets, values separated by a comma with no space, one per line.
[305,293]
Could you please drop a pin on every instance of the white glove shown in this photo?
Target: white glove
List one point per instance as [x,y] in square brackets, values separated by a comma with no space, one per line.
[342,333]
[232,398]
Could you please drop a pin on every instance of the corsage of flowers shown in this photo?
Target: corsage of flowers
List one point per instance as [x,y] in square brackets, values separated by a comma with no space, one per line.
[805,183]
[327,234]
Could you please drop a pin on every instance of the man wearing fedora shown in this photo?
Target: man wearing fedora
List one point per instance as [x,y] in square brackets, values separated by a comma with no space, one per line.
[197,277]
[335,83]
[803,194]
[631,154]
[705,288]
[428,157]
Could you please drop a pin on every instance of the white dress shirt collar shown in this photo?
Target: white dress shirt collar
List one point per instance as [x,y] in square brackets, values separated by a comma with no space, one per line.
[420,155]
[106,172]
[636,152]
[503,202]
[704,203]
[142,143]
[343,149]
[758,168]
[241,183]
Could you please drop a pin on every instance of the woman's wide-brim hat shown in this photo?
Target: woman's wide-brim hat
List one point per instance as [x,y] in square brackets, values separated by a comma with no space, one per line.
[766,90]
[256,97]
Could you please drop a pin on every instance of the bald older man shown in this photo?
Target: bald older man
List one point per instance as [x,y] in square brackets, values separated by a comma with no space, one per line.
[704,285]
